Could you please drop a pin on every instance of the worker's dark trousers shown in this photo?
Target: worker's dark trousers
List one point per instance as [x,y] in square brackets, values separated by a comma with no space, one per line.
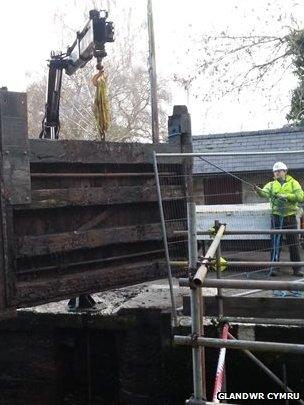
[289,222]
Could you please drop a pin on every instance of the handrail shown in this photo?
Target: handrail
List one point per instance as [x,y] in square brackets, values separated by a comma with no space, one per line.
[248,232]
[201,273]
[248,284]
[228,263]
[253,153]
[240,344]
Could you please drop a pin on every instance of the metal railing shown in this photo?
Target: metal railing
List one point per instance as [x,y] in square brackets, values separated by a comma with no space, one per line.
[251,153]
[198,279]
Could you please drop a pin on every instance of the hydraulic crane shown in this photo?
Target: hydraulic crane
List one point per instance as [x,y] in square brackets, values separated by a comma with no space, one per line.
[89,43]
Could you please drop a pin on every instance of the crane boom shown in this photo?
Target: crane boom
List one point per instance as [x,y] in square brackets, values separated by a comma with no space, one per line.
[89,43]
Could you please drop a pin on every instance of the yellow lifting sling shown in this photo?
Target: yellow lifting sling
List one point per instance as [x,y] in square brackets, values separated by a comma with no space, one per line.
[101,103]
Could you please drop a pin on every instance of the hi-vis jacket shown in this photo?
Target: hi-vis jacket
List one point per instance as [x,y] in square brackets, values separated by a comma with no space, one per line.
[290,189]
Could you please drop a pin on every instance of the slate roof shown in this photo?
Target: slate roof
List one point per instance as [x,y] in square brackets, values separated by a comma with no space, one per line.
[266,140]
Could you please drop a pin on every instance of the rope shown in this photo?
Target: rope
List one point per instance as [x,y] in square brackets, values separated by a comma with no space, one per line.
[276,246]
[101,103]
[219,376]
[275,252]
[225,171]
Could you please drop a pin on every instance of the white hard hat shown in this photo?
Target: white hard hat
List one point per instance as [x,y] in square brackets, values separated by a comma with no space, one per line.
[279,166]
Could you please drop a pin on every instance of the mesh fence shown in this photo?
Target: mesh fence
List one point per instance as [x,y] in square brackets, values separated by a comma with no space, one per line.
[223,189]
[172,188]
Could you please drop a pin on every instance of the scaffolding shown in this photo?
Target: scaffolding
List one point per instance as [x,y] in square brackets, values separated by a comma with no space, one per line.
[197,340]
[198,268]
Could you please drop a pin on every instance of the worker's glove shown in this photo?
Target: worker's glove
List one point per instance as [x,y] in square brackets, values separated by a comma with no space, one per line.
[256,188]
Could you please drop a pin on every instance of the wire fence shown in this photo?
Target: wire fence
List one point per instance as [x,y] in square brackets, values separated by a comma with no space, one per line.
[226,192]
[224,189]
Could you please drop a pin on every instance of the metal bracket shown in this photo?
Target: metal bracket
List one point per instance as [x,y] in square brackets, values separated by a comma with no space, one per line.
[218,224]
[216,322]
[83,302]
[192,270]
[194,337]
[208,259]
[191,284]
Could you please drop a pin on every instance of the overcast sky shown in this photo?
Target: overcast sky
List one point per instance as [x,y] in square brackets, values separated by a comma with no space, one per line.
[29,32]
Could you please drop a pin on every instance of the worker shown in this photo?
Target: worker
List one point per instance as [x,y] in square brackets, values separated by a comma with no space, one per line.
[284,194]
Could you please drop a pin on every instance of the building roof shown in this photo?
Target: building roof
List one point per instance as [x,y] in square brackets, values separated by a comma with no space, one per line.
[266,140]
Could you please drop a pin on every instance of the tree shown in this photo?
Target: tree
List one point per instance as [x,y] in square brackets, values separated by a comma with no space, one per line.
[129,96]
[256,57]
[296,46]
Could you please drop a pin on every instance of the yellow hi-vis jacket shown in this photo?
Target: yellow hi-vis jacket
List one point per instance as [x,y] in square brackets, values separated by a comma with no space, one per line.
[290,189]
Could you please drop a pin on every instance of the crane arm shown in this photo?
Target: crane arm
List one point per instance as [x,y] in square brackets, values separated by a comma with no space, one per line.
[89,43]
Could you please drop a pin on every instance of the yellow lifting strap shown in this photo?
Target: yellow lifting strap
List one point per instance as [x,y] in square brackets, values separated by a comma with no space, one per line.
[101,103]
[222,264]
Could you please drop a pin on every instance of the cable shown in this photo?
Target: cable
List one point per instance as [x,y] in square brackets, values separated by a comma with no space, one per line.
[225,171]
[276,245]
